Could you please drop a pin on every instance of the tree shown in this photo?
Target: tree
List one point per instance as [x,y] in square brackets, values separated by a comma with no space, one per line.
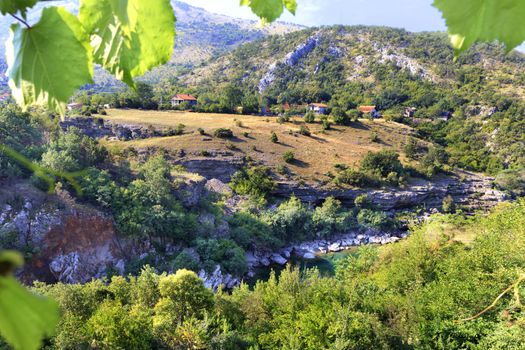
[183,296]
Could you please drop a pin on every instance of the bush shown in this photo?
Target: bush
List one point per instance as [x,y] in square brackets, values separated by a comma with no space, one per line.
[362,201]
[511,181]
[201,131]
[382,163]
[250,232]
[223,133]
[291,221]
[185,261]
[330,218]
[309,117]
[448,204]
[288,157]
[412,148]
[274,137]
[376,220]
[303,130]
[355,178]
[340,117]
[256,182]
[222,252]
[374,137]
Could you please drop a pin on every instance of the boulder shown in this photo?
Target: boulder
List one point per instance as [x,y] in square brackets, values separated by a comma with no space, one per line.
[278,259]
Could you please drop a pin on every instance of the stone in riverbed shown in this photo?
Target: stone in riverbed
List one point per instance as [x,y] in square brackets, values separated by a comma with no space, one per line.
[309,256]
[278,259]
[335,247]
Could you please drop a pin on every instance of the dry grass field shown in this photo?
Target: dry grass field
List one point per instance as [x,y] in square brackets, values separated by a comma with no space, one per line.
[315,154]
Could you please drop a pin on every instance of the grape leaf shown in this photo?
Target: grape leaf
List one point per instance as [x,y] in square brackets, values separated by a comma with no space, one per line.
[129,36]
[469,21]
[270,10]
[25,318]
[14,6]
[49,61]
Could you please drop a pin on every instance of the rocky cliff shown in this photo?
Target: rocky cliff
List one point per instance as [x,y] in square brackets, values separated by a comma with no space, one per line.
[63,241]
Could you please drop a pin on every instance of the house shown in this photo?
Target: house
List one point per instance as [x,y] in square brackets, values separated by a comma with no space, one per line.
[445,116]
[74,106]
[179,99]
[410,112]
[372,110]
[319,108]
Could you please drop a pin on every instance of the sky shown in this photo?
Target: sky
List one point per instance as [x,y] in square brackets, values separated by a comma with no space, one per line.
[413,15]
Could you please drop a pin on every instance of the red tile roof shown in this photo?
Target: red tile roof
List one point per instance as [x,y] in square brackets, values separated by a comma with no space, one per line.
[184,97]
[367,109]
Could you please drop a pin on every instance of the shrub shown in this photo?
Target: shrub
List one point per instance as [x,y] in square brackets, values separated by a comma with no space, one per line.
[412,148]
[303,130]
[326,125]
[376,220]
[291,221]
[448,204]
[185,261]
[352,177]
[201,131]
[382,163]
[283,119]
[280,169]
[274,137]
[362,201]
[288,157]
[309,117]
[339,116]
[255,181]
[223,133]
[330,218]
[374,137]
[512,181]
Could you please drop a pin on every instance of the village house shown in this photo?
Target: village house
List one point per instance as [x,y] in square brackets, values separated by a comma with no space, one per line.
[410,112]
[445,116]
[372,110]
[319,108]
[179,99]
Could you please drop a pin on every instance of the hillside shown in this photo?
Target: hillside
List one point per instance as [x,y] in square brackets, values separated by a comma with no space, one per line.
[315,155]
[392,69]
[317,63]
[201,35]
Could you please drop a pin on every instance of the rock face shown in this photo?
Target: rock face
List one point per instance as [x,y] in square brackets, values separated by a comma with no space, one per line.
[71,243]
[98,128]
[469,190]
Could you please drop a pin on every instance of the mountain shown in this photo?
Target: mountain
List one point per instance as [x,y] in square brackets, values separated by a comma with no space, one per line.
[200,34]
[330,58]
[393,69]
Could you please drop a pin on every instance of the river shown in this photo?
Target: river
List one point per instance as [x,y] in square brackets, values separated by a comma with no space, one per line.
[325,263]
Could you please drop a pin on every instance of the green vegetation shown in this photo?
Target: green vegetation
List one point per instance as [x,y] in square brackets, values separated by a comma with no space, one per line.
[381,168]
[415,294]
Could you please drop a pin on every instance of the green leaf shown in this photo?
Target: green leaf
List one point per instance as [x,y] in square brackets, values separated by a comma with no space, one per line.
[9,260]
[129,36]
[469,21]
[270,10]
[25,318]
[49,61]
[14,6]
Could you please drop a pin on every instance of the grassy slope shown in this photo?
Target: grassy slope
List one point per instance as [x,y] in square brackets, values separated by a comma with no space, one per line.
[316,154]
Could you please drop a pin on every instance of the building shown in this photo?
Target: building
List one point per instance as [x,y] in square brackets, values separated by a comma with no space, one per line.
[74,106]
[445,116]
[179,99]
[372,110]
[410,112]
[319,108]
